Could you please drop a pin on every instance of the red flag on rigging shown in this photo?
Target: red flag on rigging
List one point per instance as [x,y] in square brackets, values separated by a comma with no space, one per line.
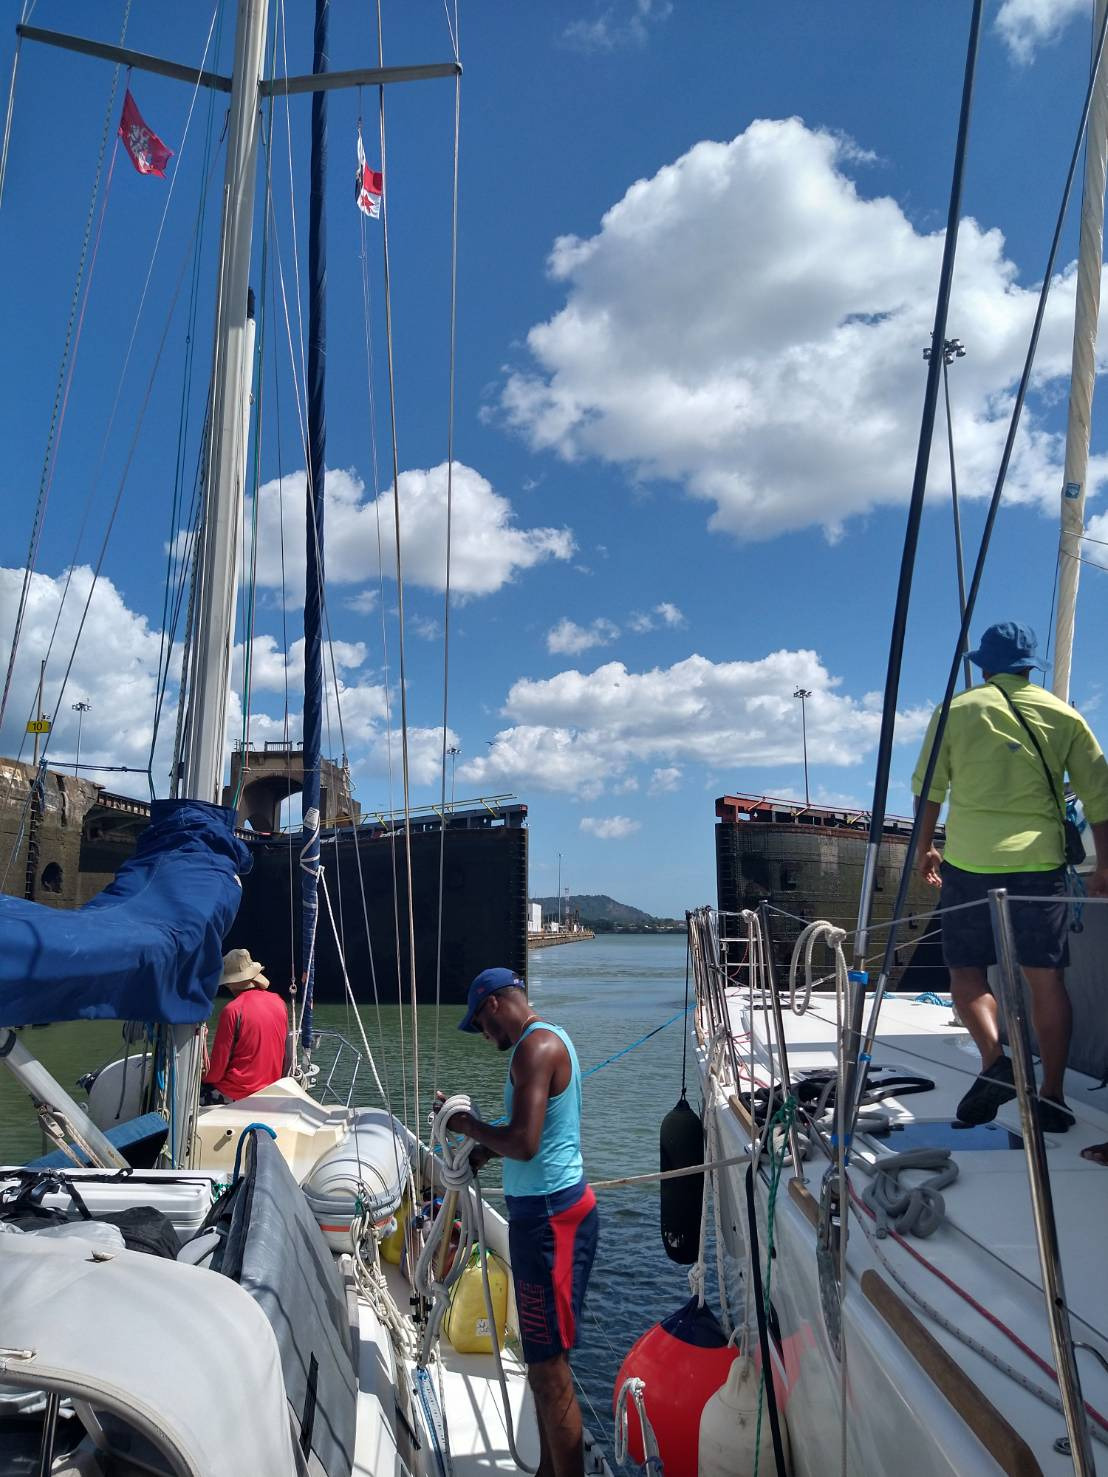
[148,154]
[368,184]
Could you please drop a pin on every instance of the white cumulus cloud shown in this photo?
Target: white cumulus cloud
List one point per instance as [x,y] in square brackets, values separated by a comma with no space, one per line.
[662,781]
[609,827]
[748,325]
[115,670]
[666,614]
[272,671]
[568,638]
[617,25]
[585,732]
[1026,25]
[488,548]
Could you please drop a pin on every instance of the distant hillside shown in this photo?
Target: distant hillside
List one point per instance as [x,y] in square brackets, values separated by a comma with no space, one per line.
[604,915]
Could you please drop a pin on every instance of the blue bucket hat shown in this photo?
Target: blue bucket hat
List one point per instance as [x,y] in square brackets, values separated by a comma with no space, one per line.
[1008,646]
[488,982]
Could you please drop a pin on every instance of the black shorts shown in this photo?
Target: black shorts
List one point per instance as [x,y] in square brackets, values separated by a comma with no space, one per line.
[1041,930]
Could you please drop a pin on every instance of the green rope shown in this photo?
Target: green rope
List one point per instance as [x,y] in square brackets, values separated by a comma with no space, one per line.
[783,1119]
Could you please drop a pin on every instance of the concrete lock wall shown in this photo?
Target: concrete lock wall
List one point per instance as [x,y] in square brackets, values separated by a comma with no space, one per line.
[54,837]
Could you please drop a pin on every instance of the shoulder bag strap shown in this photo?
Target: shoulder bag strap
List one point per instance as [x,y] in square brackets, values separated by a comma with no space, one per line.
[1038,749]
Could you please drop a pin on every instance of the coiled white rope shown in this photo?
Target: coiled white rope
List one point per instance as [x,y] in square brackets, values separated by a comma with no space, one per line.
[370,1280]
[834,938]
[633,1391]
[458,1178]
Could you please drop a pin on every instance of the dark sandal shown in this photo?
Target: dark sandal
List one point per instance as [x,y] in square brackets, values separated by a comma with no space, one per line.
[1054,1115]
[989,1093]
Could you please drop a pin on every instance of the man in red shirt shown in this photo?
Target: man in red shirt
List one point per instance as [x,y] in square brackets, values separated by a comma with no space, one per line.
[252,1045]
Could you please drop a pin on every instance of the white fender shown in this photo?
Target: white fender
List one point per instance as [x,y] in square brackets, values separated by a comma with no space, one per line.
[729,1424]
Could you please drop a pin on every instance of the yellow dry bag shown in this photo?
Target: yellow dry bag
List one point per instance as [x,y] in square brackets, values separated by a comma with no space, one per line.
[467,1319]
[393,1244]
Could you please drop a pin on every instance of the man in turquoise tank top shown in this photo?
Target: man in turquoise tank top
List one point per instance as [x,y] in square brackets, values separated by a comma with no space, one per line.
[552,1215]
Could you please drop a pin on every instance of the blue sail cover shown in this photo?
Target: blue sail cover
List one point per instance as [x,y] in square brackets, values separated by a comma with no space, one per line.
[149,947]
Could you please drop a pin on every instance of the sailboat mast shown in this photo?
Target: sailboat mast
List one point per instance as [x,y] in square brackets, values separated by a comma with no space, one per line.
[1083,373]
[313,580]
[225,453]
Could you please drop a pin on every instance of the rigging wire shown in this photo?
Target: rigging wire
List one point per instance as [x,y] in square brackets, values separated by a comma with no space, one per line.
[915,515]
[385,672]
[983,549]
[270,217]
[401,658]
[28,573]
[324,609]
[132,448]
[72,565]
[959,561]
[449,528]
[65,372]
[28,7]
[176,556]
[314,509]
[187,255]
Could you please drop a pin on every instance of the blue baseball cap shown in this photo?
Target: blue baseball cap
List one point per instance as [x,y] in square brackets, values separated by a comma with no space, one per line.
[488,982]
[1008,646]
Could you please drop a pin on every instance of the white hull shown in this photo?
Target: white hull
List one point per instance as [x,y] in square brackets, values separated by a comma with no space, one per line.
[918,1399]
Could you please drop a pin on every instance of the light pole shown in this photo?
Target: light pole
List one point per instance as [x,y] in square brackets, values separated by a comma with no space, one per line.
[804,693]
[954,348]
[81,708]
[453,752]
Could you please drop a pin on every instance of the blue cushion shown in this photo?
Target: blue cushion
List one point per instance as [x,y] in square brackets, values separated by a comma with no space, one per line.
[138,1140]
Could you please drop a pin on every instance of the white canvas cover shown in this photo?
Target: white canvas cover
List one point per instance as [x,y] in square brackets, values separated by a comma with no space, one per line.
[179,1353]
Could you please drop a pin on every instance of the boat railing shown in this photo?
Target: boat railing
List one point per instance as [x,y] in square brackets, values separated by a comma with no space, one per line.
[1010,994]
[729,951]
[336,1066]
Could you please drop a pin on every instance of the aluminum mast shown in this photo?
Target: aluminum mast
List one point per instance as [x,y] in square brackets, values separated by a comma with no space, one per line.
[225,460]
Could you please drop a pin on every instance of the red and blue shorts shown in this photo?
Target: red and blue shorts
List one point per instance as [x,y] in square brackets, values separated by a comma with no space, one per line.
[552,1242]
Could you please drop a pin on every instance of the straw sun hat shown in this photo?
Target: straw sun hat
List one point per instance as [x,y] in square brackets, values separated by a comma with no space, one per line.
[240,971]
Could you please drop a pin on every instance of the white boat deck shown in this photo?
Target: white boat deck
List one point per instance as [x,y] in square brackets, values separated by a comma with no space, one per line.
[986,1246]
[471,1397]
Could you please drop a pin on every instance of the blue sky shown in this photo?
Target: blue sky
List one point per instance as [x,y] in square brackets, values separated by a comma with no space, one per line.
[698,252]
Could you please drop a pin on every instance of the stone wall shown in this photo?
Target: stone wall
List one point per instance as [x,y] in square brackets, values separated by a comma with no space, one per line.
[56,877]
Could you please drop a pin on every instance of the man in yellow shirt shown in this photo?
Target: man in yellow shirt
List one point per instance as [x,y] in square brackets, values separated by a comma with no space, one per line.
[1005,829]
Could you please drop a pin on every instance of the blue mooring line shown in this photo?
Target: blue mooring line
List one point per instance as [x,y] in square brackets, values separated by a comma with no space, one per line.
[609,1060]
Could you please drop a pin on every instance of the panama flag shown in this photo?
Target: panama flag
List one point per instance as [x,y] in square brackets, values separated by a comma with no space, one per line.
[368,184]
[148,154]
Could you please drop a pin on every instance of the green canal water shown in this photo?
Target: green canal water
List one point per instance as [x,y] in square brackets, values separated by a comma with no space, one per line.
[606,992]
